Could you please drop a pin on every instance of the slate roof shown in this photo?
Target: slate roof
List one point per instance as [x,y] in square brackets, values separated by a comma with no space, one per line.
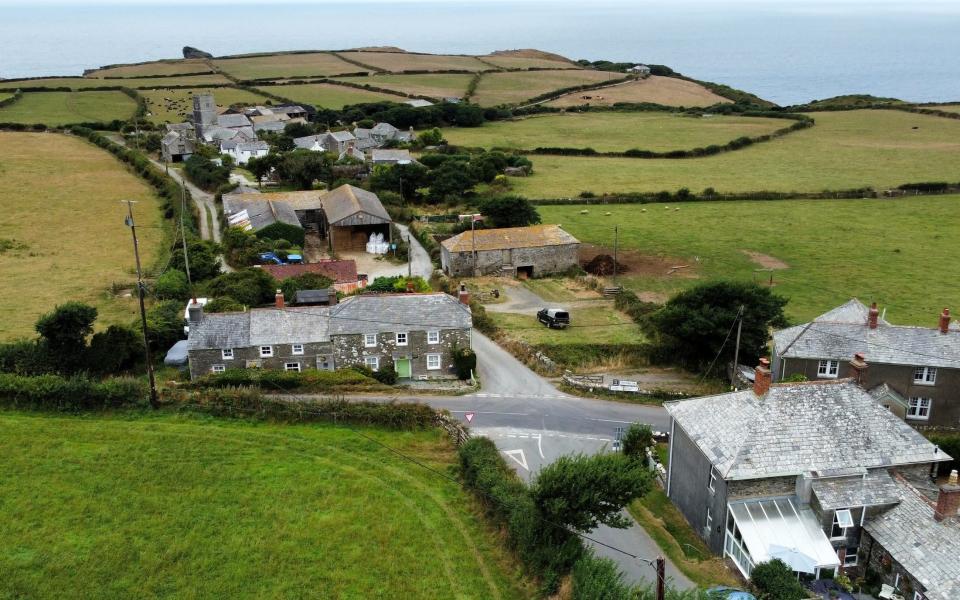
[233,121]
[928,549]
[220,330]
[509,237]
[843,331]
[384,130]
[348,200]
[260,327]
[874,489]
[381,313]
[259,213]
[362,133]
[797,428]
[185,126]
[340,271]
[416,103]
[309,141]
[380,155]
[313,296]
[341,136]
[269,126]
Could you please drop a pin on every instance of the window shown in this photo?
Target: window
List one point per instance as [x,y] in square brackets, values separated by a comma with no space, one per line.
[372,362]
[227,353]
[218,368]
[433,362]
[266,351]
[291,367]
[842,519]
[919,408]
[369,340]
[709,521]
[712,480]
[850,557]
[925,375]
[296,349]
[401,339]
[828,368]
[433,337]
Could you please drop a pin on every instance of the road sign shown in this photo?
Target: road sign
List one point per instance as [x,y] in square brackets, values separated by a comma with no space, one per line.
[470,416]
[619,433]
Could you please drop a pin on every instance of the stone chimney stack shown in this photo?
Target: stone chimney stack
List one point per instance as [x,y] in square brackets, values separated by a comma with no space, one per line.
[873,316]
[858,368]
[194,312]
[948,502]
[279,299]
[463,295]
[945,321]
[762,378]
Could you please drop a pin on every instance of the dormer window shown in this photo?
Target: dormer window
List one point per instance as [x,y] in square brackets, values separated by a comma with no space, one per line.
[828,368]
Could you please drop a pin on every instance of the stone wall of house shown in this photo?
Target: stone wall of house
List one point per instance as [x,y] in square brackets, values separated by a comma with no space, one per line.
[544,260]
[762,488]
[350,350]
[315,356]
[875,557]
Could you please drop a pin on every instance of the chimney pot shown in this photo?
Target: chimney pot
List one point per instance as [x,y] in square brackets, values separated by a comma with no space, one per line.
[279,299]
[948,501]
[874,313]
[945,321]
[858,368]
[762,377]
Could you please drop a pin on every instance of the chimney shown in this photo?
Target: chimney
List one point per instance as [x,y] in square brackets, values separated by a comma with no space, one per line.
[194,312]
[948,502]
[762,377]
[409,287]
[463,295]
[858,368]
[874,313]
[945,321]
[279,298]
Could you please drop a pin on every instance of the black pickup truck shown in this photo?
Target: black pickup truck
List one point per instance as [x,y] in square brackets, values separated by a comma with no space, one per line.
[555,318]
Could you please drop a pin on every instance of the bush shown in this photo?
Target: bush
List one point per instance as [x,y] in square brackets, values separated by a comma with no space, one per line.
[250,287]
[53,392]
[597,578]
[172,285]
[24,358]
[115,350]
[269,379]
[283,231]
[949,443]
[164,324]
[205,173]
[638,438]
[386,375]
[628,302]
[464,362]
[308,281]
[774,580]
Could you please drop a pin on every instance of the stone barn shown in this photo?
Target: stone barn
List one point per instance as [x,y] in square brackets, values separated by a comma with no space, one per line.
[515,251]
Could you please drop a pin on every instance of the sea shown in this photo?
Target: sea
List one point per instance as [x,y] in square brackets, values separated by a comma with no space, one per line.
[787,51]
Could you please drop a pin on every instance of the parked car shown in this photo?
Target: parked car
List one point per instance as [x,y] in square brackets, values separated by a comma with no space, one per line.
[554,318]
[294,259]
[270,258]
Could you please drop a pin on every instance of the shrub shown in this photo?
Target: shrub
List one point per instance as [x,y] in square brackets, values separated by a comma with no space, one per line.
[638,438]
[774,580]
[597,578]
[53,392]
[386,375]
[949,443]
[115,350]
[464,362]
[172,285]
[24,358]
[250,287]
[308,281]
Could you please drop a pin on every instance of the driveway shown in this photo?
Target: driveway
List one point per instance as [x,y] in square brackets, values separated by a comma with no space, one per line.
[421,263]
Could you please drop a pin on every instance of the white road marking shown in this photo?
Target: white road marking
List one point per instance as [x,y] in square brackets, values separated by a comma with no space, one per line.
[522,461]
[610,421]
[540,446]
[480,412]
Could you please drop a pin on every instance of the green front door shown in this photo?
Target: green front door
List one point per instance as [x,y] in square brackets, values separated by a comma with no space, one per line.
[403,368]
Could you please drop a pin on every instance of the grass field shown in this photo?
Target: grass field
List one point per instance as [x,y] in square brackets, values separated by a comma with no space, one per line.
[594,324]
[154,69]
[515,87]
[332,96]
[285,65]
[669,91]
[526,62]
[62,108]
[844,150]
[78,83]
[175,106]
[63,216]
[402,61]
[181,506]
[5,95]
[612,132]
[946,107]
[438,85]
[891,251]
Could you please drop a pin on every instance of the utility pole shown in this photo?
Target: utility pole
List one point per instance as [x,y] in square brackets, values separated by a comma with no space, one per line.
[143,311]
[616,243]
[183,236]
[473,239]
[409,257]
[736,349]
[661,576]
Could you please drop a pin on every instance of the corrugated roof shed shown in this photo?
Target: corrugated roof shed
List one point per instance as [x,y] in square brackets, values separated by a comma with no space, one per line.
[533,236]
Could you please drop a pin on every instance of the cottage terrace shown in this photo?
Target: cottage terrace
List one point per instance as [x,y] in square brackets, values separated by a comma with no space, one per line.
[526,251]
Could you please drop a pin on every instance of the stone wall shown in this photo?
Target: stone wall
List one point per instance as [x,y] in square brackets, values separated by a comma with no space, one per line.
[875,557]
[762,488]
[315,356]
[350,350]
[544,260]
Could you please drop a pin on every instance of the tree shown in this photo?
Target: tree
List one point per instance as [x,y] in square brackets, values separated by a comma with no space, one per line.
[451,180]
[297,130]
[171,285]
[302,167]
[250,287]
[64,332]
[115,350]
[638,438]
[691,327]
[596,578]
[774,580]
[204,263]
[262,166]
[583,492]
[388,178]
[431,137]
[308,281]
[205,173]
[509,211]
[164,324]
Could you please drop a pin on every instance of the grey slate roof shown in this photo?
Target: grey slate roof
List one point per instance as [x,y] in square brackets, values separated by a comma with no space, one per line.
[313,296]
[875,489]
[384,130]
[381,155]
[843,331]
[341,136]
[233,121]
[796,428]
[260,327]
[929,550]
[381,313]
[260,212]
[220,330]
[269,126]
[348,200]
[308,141]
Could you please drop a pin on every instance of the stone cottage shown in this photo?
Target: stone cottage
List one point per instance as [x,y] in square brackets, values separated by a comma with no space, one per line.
[516,251]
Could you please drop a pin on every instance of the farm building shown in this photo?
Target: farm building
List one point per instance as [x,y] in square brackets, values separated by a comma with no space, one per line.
[342,272]
[516,251]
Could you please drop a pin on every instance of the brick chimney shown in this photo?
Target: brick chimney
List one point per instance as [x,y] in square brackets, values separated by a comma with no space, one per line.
[948,502]
[873,315]
[279,299]
[409,287]
[945,321]
[762,377]
[858,368]
[463,295]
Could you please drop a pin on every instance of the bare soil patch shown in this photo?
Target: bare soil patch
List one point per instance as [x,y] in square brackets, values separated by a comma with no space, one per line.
[765,260]
[638,263]
[669,91]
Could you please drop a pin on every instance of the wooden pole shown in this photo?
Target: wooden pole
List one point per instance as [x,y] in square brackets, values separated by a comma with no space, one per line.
[661,576]
[736,349]
[616,243]
[154,402]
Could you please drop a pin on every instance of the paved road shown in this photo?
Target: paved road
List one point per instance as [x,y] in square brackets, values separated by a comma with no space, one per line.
[421,263]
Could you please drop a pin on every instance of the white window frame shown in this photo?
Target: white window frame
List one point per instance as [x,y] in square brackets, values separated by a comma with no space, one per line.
[226,353]
[848,553]
[433,336]
[266,351]
[369,340]
[406,338]
[372,362]
[836,523]
[709,522]
[918,408]
[925,376]
[713,480]
[296,349]
[218,368]
[291,366]
[438,359]
[828,368]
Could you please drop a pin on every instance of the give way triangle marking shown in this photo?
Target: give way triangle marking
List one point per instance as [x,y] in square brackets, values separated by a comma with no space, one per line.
[470,416]
[522,461]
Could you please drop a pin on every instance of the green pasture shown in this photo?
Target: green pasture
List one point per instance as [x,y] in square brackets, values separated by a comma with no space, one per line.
[83,83]
[516,86]
[63,108]
[176,106]
[434,85]
[327,95]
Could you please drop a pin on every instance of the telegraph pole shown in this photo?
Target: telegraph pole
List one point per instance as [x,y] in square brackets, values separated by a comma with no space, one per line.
[736,349]
[616,243]
[409,258]
[183,236]
[661,576]
[143,311]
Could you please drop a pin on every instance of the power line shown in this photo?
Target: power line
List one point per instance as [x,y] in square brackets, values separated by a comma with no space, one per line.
[736,319]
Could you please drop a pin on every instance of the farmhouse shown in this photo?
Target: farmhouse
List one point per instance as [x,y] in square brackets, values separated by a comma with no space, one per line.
[177,145]
[242,152]
[516,251]
[414,333]
[641,70]
[797,472]
[913,371]
[311,142]
[383,156]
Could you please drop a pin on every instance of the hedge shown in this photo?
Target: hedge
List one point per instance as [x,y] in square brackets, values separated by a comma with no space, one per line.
[74,394]
[286,381]
[17,94]
[949,443]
